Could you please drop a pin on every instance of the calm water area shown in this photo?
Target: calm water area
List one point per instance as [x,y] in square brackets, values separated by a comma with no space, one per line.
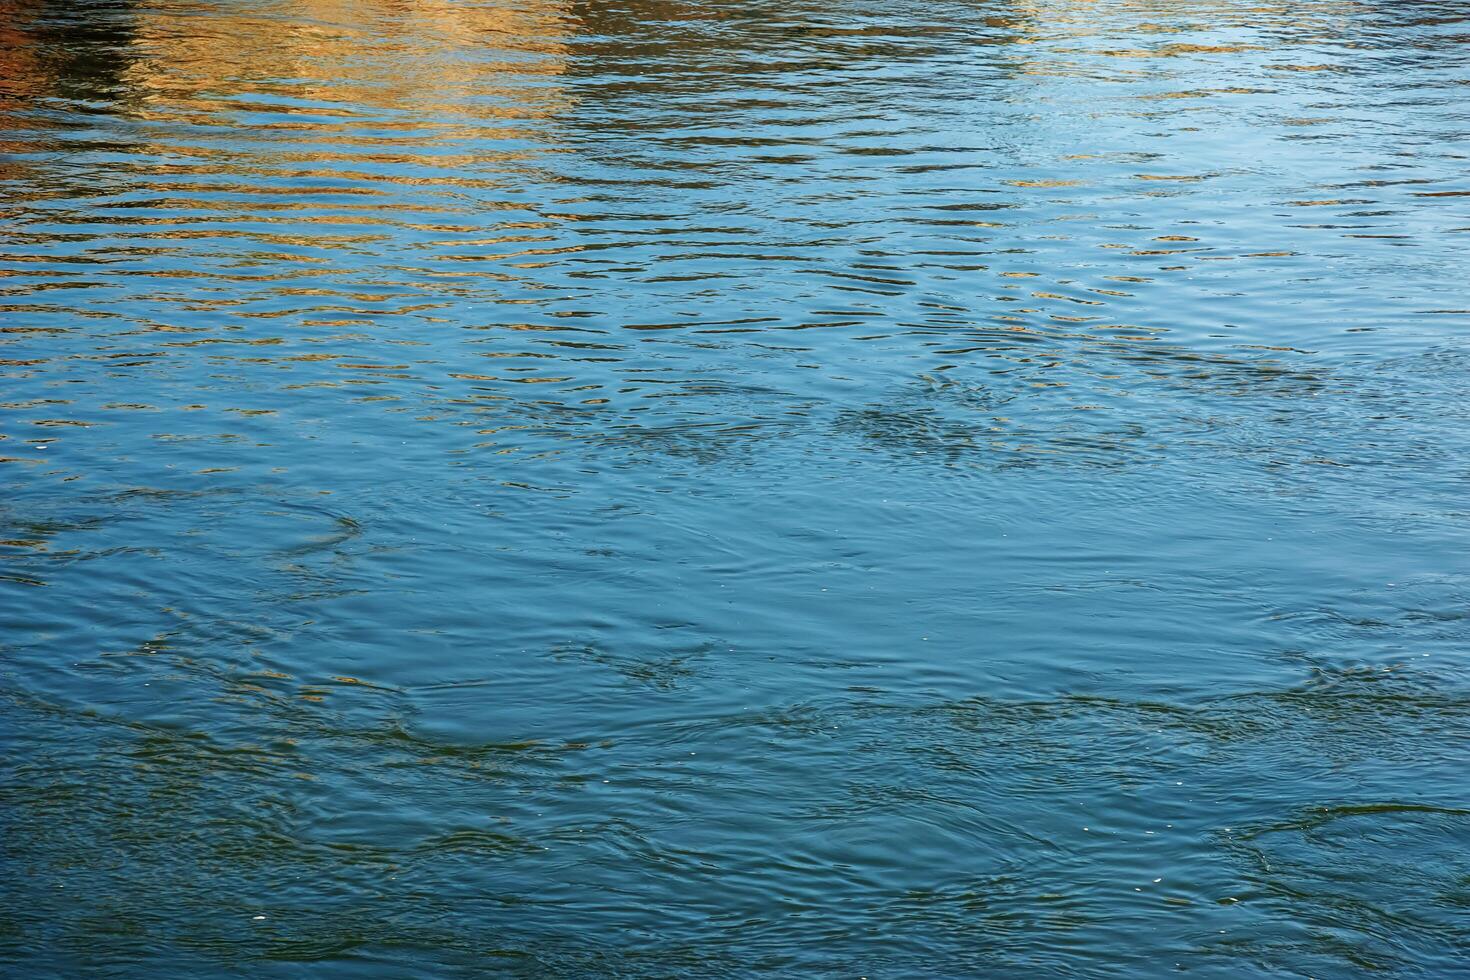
[646,488]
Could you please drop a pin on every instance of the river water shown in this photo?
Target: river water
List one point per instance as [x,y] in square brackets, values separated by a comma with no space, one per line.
[864,488]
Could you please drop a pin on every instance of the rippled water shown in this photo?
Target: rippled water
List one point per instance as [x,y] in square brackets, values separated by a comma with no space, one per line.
[863,488]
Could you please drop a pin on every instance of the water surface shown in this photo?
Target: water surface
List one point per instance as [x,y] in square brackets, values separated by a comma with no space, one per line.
[886,488]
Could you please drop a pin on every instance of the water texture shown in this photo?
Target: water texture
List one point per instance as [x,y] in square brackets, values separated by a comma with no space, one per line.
[859,488]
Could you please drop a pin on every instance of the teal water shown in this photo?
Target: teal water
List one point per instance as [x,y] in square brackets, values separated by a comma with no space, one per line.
[873,488]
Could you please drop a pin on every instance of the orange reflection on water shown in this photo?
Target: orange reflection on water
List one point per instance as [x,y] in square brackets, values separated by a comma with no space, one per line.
[444,69]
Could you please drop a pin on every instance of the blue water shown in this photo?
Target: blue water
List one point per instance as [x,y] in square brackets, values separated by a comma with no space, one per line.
[870,488]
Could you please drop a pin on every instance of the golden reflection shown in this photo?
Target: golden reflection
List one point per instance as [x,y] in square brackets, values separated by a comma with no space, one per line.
[25,77]
[438,70]
[252,112]
[23,74]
